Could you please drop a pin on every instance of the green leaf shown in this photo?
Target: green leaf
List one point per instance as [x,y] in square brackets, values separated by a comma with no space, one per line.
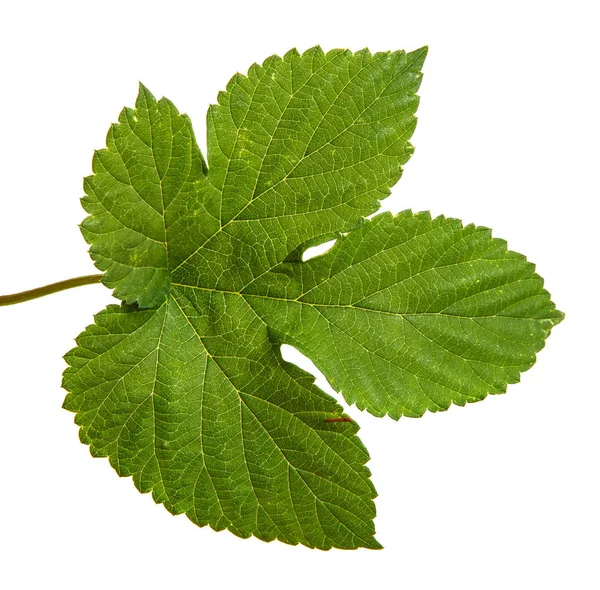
[195,402]
[408,314]
[301,149]
[184,388]
[144,200]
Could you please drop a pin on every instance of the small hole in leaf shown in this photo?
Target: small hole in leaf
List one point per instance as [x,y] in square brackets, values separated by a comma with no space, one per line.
[317,250]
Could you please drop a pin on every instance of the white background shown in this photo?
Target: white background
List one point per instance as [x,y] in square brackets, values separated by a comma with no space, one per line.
[500,494]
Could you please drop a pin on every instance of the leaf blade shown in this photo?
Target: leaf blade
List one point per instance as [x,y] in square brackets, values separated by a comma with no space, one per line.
[231,448]
[144,191]
[408,314]
[302,148]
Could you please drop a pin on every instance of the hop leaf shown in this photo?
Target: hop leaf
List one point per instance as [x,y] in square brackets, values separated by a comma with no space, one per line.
[185,389]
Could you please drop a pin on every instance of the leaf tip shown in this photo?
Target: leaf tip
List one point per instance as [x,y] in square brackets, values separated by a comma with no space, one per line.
[145,98]
[557,317]
[418,55]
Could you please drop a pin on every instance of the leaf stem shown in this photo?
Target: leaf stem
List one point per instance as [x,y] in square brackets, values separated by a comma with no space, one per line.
[49,289]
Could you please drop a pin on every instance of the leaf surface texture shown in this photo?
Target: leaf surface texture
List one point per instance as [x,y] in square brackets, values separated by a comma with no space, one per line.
[184,388]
